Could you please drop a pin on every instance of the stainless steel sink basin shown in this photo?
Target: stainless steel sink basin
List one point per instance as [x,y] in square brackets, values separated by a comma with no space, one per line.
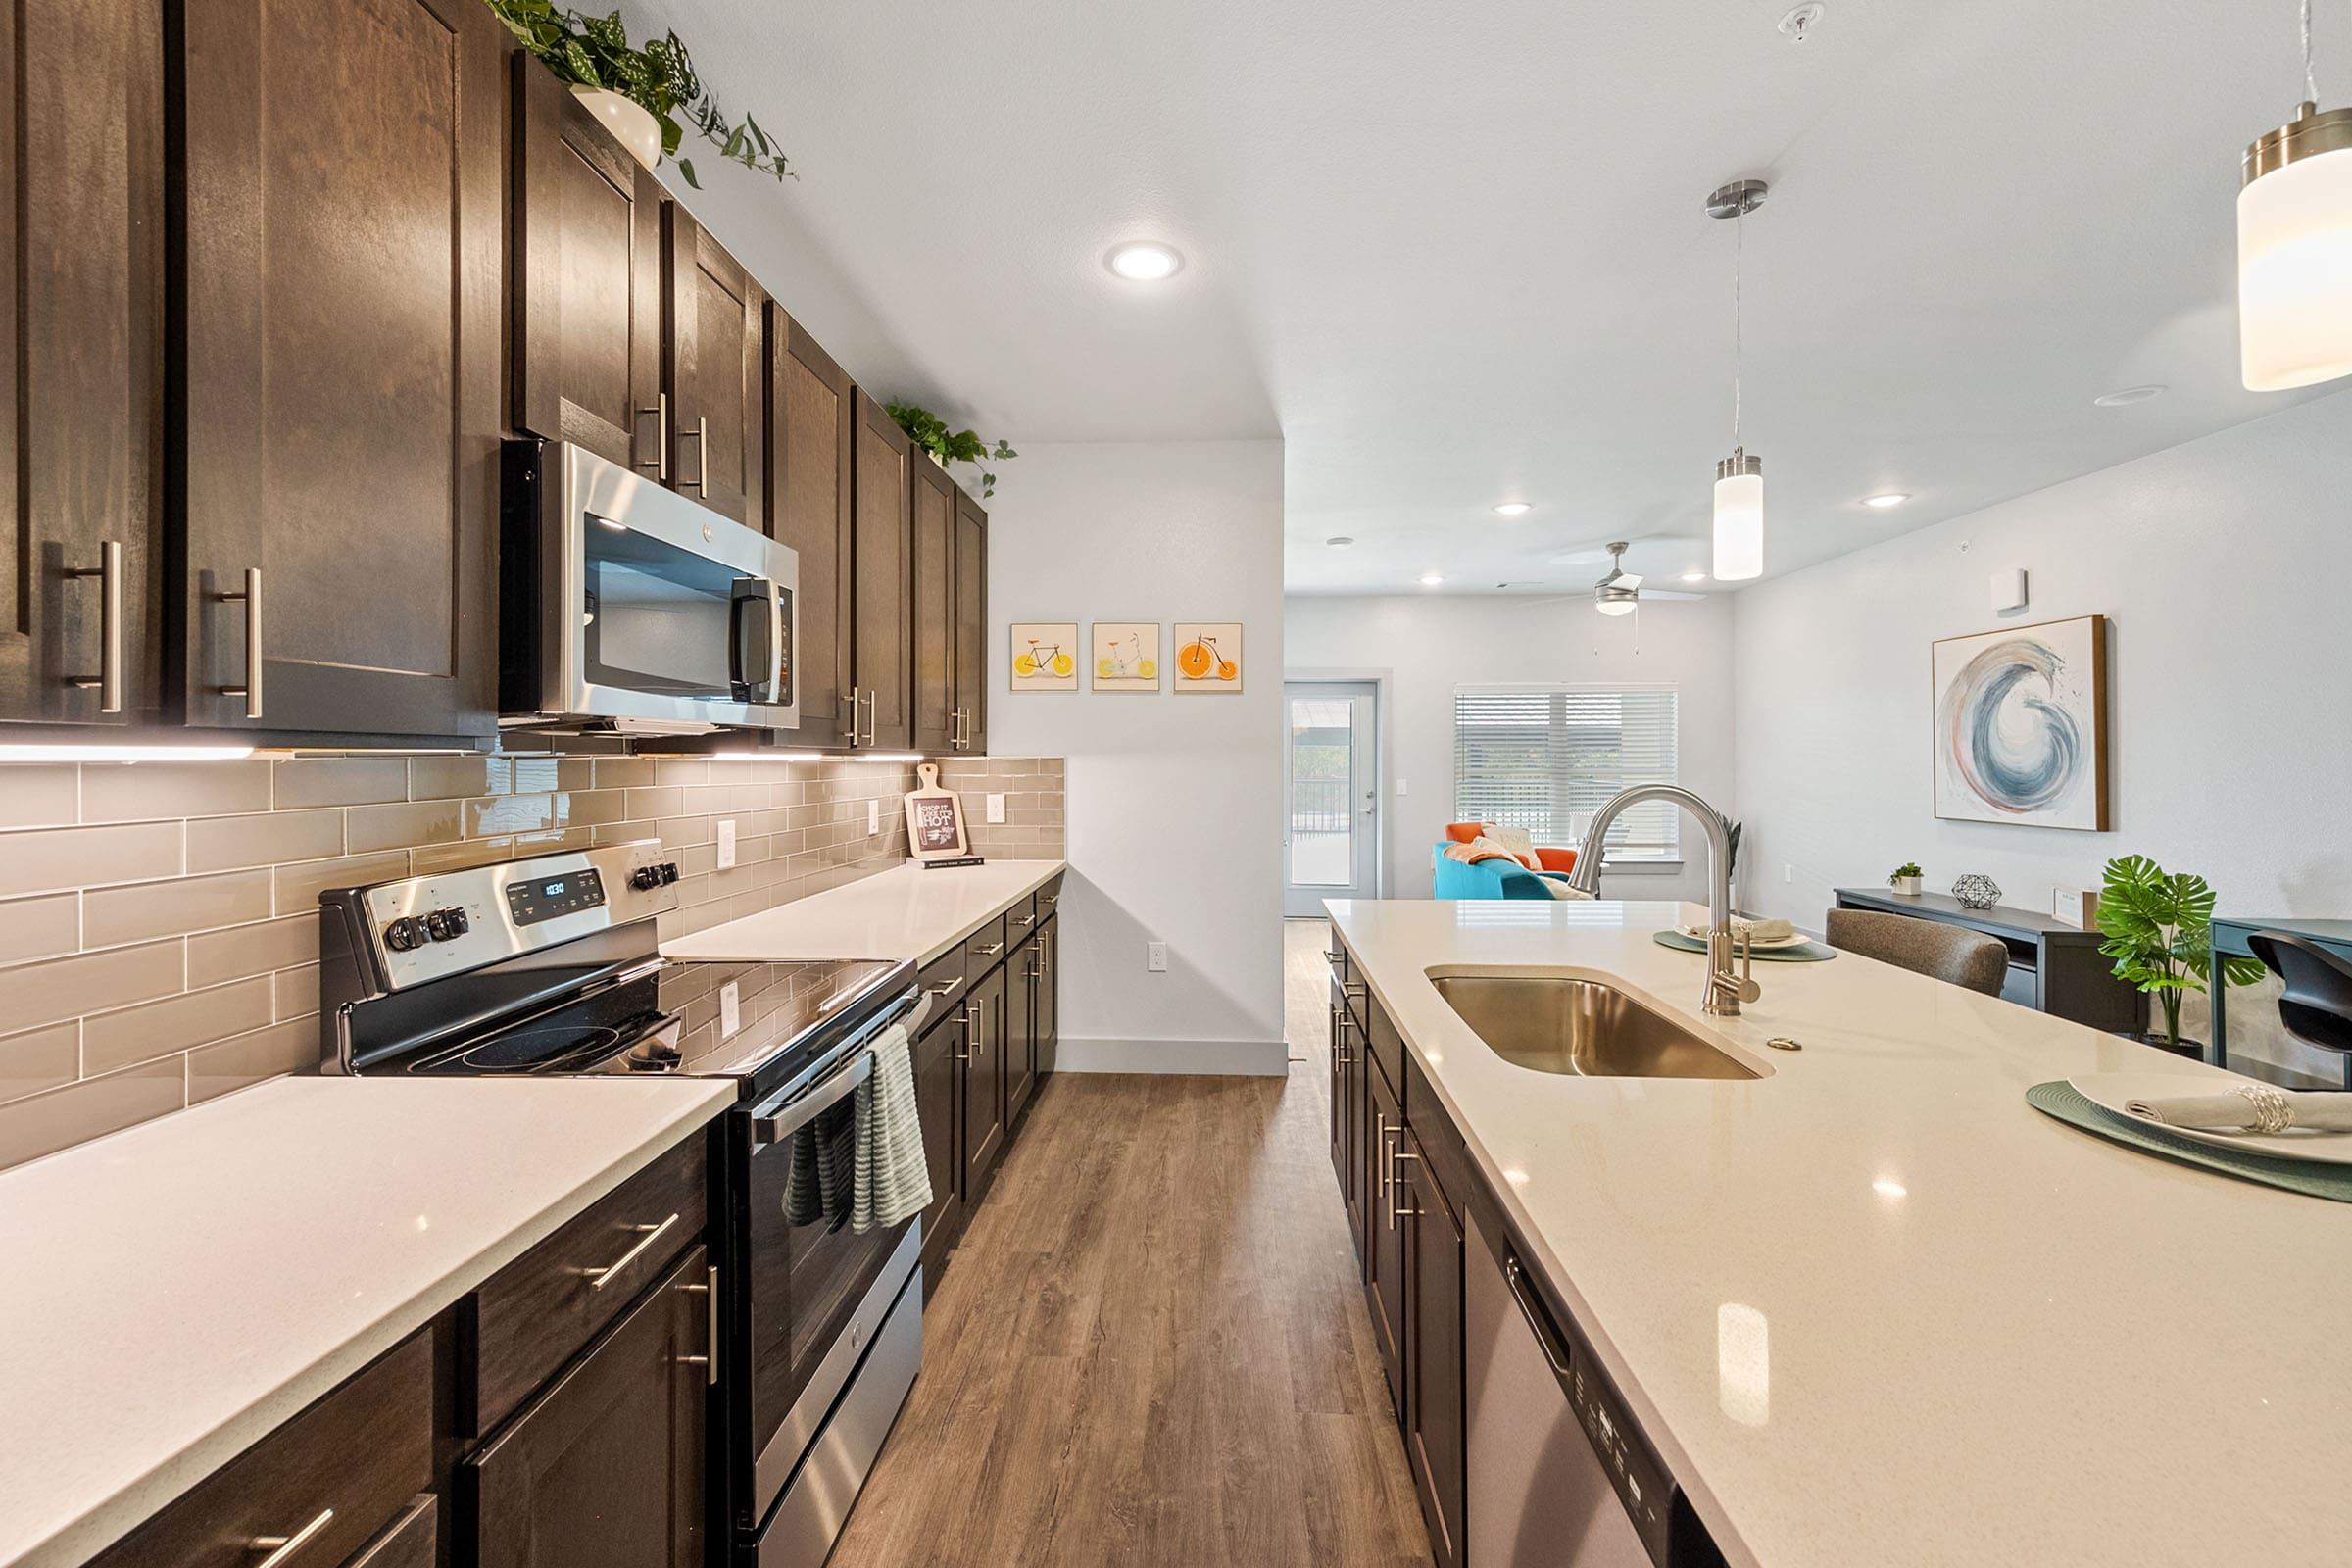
[1582,1028]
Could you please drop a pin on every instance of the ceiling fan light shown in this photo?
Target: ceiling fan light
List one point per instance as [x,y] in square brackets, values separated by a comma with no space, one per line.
[2294,253]
[1738,518]
[1615,607]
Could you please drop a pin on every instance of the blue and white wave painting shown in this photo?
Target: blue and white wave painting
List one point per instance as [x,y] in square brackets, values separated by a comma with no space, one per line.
[2017,726]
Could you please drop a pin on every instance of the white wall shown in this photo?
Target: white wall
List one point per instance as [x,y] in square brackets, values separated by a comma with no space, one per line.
[1422,648]
[1174,803]
[2225,567]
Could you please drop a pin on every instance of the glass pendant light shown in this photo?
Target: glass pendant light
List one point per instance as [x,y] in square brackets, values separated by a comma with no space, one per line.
[2294,246]
[1739,477]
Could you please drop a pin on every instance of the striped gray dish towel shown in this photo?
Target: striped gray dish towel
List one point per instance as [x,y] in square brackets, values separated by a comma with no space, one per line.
[893,1180]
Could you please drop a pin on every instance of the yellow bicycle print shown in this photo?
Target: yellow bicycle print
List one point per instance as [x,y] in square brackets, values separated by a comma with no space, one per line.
[1126,660]
[1041,658]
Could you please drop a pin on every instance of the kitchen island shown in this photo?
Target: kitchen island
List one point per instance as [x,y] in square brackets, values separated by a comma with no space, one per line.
[1869,1307]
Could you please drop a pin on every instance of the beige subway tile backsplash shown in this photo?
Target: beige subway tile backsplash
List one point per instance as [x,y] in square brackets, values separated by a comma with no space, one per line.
[159,937]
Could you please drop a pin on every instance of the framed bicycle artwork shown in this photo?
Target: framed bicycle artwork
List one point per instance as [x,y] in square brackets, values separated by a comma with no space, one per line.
[1044,656]
[1208,655]
[1126,655]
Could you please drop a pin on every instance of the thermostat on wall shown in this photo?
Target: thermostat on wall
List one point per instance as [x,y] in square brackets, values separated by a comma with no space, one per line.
[2009,589]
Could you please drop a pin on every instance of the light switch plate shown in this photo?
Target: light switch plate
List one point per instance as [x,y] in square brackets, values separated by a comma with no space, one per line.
[730,1010]
[1400,787]
[996,807]
[726,841]
[1156,956]
[873,817]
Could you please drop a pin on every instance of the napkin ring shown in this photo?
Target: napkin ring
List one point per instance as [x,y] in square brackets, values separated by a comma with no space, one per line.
[2273,1112]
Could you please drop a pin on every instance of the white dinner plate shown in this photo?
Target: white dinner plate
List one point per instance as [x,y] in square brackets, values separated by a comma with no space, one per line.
[1795,939]
[2113,1091]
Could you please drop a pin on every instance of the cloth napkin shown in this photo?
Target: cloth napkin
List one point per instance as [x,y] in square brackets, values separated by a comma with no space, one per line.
[893,1180]
[1747,930]
[2252,1109]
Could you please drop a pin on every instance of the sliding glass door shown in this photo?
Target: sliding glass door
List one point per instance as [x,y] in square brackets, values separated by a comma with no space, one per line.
[1331,792]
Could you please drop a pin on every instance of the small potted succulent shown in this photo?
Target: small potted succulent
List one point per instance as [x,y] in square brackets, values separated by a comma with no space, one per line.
[1905,879]
[2159,931]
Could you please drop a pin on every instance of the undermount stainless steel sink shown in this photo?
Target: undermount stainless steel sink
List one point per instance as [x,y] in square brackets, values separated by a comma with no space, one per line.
[1554,1023]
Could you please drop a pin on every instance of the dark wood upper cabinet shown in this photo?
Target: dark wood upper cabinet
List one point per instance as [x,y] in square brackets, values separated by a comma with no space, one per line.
[971,625]
[606,1468]
[883,474]
[587,279]
[934,588]
[338,225]
[714,323]
[810,411]
[81,156]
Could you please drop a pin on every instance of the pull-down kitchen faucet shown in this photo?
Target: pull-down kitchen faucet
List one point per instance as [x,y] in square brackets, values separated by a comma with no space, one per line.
[1726,988]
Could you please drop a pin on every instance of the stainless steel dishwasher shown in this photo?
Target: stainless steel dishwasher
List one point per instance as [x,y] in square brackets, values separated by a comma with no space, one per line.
[1557,1474]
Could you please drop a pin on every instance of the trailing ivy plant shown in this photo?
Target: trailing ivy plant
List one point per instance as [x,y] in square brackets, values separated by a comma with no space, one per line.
[2159,931]
[930,432]
[659,78]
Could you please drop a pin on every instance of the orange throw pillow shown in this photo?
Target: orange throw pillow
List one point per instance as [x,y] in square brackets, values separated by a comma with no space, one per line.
[1465,832]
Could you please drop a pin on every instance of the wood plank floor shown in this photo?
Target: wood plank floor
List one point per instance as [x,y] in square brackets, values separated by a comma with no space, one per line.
[1151,1347]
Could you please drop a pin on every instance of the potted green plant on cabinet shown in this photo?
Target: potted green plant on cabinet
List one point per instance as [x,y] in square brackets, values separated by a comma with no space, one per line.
[1905,879]
[2158,927]
[639,92]
[947,447]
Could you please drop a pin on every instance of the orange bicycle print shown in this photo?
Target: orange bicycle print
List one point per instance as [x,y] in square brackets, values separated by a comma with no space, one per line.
[1200,655]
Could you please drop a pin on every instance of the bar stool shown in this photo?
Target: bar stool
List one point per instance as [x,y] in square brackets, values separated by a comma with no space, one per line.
[2316,1005]
[1948,952]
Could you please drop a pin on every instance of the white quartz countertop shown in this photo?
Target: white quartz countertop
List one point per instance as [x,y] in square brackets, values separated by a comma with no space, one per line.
[170,1293]
[907,912]
[1873,1308]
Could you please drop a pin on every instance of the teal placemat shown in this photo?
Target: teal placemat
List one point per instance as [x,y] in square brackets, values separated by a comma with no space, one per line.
[1805,951]
[2061,1099]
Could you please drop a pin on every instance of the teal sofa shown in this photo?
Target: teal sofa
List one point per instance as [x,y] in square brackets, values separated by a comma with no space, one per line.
[1488,879]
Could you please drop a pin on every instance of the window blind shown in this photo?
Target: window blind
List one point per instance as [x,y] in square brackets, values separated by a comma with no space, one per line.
[1547,757]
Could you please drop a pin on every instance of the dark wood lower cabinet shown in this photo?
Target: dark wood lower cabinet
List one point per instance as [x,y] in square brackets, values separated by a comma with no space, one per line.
[1348,1116]
[411,1541]
[938,1086]
[1046,1028]
[1434,1427]
[983,1107]
[1384,1248]
[1020,1030]
[606,1468]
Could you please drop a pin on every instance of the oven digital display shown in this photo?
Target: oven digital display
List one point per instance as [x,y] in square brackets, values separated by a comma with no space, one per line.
[546,897]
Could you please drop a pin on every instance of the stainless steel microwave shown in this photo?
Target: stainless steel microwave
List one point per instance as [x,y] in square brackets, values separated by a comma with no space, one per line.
[627,606]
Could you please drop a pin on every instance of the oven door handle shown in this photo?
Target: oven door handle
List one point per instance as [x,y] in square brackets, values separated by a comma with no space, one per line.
[810,1103]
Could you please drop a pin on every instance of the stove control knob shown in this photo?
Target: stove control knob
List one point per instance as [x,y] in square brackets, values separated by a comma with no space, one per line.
[456,918]
[668,870]
[645,878]
[436,926]
[402,935]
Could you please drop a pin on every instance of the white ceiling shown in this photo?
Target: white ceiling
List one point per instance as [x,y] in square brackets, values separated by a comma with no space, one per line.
[1457,254]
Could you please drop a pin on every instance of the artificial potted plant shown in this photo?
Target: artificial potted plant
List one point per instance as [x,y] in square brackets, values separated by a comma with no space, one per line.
[1905,879]
[2159,931]
[639,93]
[947,447]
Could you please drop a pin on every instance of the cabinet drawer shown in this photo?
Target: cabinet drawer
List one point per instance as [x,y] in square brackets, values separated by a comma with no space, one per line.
[1023,918]
[944,979]
[332,1476]
[1384,1043]
[538,1311]
[984,949]
[411,1541]
[1048,898]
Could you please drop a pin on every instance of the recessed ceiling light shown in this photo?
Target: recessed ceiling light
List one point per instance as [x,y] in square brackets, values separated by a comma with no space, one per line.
[1144,262]
[1886,498]
[1339,541]
[1513,508]
[1430,580]
[1694,577]
[2125,397]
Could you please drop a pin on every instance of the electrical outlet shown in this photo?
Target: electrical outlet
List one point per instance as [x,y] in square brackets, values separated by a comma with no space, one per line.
[996,807]
[730,1010]
[1156,956]
[726,841]
[1787,872]
[873,817]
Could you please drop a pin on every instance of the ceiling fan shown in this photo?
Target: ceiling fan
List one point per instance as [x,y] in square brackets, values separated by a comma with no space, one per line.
[1618,593]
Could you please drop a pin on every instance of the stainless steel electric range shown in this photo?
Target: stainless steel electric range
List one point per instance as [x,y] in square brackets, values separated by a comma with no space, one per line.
[551,965]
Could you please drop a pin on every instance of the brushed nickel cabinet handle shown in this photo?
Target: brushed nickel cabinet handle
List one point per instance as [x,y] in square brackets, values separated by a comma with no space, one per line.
[599,1278]
[991,950]
[661,413]
[282,1548]
[941,991]
[701,436]
[708,1362]
[251,599]
[873,718]
[109,573]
